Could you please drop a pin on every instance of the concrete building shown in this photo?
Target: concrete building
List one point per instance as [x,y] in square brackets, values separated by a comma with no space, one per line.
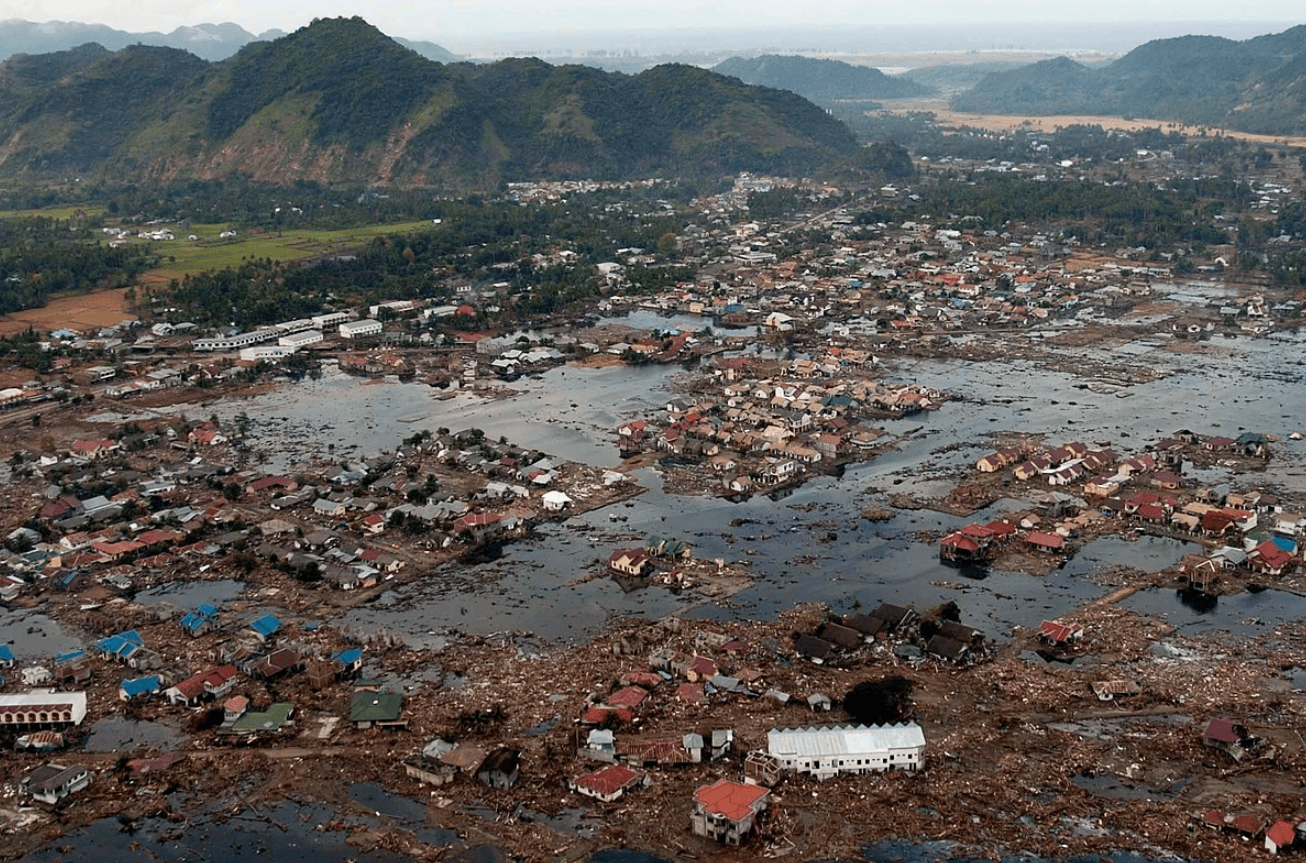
[42,708]
[360,329]
[727,811]
[301,339]
[826,752]
[54,782]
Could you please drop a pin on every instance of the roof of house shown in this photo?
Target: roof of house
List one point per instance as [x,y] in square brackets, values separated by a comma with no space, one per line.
[631,696]
[1046,540]
[194,685]
[1281,833]
[140,686]
[375,706]
[266,720]
[813,647]
[733,800]
[266,625]
[609,780]
[1222,730]
[349,657]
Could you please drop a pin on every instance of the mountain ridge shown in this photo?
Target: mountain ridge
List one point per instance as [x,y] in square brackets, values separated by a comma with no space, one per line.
[339,101]
[820,80]
[207,41]
[1255,85]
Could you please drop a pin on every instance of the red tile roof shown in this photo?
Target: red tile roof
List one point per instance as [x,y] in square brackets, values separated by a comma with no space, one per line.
[1045,540]
[734,800]
[609,780]
[631,696]
[1221,730]
[1281,833]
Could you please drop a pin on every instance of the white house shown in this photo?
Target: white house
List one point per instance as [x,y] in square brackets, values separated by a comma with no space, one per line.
[826,752]
[556,501]
[53,782]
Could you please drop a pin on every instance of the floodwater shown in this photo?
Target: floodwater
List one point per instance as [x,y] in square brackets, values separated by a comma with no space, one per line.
[809,545]
[566,412]
[35,638]
[187,595]
[287,833]
[115,733]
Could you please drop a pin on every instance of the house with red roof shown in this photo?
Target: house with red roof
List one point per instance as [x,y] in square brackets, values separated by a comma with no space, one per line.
[630,561]
[727,811]
[1280,834]
[214,682]
[631,696]
[1045,542]
[1268,559]
[958,546]
[609,783]
[481,525]
[93,447]
[1057,633]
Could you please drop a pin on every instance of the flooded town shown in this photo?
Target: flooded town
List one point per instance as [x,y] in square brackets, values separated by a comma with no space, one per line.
[862,540]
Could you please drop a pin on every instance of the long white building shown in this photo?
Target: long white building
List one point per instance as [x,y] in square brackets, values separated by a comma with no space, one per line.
[42,708]
[826,752]
[360,329]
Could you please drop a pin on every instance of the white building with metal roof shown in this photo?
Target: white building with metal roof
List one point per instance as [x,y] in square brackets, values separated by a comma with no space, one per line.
[826,752]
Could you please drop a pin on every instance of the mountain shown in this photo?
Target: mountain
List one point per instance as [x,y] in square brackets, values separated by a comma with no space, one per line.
[338,101]
[1256,85]
[819,80]
[207,41]
[957,77]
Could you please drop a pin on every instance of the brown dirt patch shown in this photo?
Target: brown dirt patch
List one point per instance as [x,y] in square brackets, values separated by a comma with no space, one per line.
[82,312]
[1008,122]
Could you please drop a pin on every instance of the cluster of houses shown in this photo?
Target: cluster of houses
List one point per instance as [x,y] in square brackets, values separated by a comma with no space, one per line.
[622,757]
[840,640]
[757,426]
[154,517]
[1234,739]
[1260,536]
[633,567]
[249,652]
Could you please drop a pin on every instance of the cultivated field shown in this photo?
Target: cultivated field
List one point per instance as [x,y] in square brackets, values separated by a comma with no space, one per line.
[1007,122]
[82,312]
[182,257]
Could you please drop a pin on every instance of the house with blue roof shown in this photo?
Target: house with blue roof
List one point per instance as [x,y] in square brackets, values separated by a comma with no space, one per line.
[200,621]
[265,627]
[351,661]
[6,656]
[195,624]
[120,647]
[139,688]
[127,648]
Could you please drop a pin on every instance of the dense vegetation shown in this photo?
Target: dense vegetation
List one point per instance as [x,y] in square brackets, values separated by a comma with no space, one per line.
[1127,214]
[477,242]
[339,99]
[822,81]
[41,256]
[1258,85]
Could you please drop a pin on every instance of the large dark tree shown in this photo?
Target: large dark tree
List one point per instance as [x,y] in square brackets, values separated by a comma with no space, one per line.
[880,702]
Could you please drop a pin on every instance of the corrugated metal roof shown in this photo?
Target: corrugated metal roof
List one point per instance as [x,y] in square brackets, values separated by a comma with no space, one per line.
[843,740]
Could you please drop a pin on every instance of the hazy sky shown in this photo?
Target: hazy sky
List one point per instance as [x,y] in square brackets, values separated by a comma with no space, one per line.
[450,21]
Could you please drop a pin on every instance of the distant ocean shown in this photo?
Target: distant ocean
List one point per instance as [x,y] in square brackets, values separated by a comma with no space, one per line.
[1048,37]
